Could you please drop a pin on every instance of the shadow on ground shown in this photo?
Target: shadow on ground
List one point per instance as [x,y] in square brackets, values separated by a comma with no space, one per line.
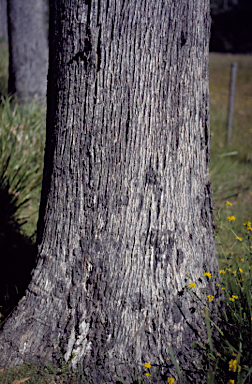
[17,254]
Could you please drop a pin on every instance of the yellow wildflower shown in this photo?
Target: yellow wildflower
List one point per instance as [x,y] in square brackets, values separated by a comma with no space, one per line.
[240,270]
[223,288]
[233,298]
[228,269]
[231,382]
[167,358]
[192,285]
[233,366]
[170,380]
[208,274]
[248,224]
[146,365]
[210,298]
[238,238]
[222,271]
[231,218]
[148,374]
[241,259]
[241,280]
[228,203]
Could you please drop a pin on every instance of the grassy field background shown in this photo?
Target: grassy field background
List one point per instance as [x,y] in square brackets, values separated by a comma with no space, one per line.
[22,140]
[231,174]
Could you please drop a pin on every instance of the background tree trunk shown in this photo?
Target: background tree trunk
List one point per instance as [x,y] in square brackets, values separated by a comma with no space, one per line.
[3,20]
[28,48]
[126,208]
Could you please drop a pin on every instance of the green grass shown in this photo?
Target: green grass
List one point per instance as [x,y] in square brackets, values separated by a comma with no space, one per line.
[22,141]
[231,165]
[228,361]
[3,67]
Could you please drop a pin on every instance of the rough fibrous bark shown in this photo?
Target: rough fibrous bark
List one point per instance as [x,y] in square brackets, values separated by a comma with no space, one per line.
[126,208]
[28,49]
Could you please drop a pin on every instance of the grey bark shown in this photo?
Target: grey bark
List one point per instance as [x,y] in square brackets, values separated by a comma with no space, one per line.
[3,20]
[225,4]
[126,206]
[28,49]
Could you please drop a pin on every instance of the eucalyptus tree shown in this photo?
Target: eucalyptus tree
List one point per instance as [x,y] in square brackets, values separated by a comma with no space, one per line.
[126,205]
[28,48]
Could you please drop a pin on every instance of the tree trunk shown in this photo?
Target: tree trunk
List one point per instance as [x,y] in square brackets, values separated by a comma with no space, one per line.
[225,4]
[126,207]
[3,20]
[28,49]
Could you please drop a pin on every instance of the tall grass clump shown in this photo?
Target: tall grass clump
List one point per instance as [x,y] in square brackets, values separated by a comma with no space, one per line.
[22,140]
[22,137]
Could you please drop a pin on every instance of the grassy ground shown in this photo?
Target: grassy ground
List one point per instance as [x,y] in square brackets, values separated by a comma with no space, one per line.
[231,165]
[22,137]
